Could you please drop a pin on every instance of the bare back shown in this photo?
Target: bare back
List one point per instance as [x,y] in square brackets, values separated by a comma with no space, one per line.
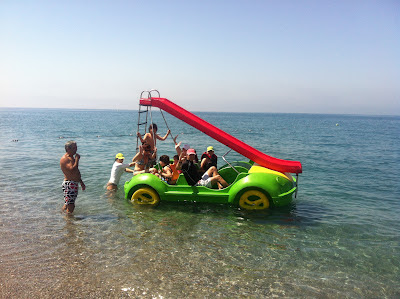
[148,138]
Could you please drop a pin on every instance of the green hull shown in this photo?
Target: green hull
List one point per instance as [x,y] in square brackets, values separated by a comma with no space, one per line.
[276,187]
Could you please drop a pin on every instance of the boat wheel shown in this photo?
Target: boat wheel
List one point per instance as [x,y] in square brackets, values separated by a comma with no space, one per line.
[145,196]
[254,200]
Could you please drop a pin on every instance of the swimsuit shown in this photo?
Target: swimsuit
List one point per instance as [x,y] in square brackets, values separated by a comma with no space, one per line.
[70,189]
[146,165]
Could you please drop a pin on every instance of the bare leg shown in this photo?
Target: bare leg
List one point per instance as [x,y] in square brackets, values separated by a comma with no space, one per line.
[219,185]
[213,173]
[112,187]
[223,182]
[70,208]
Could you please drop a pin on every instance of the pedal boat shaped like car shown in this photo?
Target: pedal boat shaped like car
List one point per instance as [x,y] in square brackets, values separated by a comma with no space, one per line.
[254,186]
[251,187]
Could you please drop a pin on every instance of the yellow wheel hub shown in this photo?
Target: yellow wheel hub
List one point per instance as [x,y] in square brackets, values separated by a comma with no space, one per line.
[145,196]
[254,200]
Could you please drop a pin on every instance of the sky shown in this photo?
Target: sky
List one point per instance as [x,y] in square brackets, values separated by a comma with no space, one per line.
[235,56]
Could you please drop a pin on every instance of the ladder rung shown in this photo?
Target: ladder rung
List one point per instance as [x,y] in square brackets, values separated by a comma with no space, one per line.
[142,124]
[143,111]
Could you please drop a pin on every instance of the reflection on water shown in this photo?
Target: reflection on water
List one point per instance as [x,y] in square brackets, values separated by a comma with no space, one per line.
[175,250]
[338,239]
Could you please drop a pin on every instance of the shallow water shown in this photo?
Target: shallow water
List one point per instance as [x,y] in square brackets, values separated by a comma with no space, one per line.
[339,238]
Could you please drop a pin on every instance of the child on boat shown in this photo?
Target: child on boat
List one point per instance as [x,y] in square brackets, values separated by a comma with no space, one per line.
[175,172]
[149,137]
[144,159]
[165,171]
[208,159]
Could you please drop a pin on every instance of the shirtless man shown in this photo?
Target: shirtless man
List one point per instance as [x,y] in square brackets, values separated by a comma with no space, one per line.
[72,176]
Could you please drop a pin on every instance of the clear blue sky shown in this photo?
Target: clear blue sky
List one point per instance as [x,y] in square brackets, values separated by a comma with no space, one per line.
[254,56]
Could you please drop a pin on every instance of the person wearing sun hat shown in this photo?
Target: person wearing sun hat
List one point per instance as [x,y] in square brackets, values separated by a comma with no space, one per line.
[117,169]
[208,159]
[189,169]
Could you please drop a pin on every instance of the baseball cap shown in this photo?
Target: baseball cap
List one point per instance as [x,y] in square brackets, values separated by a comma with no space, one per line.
[191,151]
[119,156]
[210,148]
[186,147]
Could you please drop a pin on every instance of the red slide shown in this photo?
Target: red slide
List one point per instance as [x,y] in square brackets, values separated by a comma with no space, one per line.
[223,137]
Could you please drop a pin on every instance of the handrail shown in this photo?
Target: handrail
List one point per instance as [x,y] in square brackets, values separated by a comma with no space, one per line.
[226,161]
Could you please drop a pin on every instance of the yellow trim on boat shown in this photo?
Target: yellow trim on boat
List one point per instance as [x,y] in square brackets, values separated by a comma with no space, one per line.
[260,169]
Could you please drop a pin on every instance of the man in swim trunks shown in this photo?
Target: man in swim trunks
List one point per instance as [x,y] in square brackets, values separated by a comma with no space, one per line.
[72,176]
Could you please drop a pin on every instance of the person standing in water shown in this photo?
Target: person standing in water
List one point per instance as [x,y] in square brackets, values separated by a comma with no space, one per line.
[69,163]
[118,168]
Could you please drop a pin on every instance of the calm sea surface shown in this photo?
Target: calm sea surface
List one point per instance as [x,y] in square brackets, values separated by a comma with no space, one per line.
[340,238]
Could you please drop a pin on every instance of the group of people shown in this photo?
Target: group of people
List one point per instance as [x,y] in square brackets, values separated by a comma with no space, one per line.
[197,173]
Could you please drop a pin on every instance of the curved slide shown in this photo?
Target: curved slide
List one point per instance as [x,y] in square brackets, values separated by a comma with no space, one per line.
[223,137]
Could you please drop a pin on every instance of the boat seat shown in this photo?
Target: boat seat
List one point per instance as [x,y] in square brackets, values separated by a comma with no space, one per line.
[230,175]
[181,180]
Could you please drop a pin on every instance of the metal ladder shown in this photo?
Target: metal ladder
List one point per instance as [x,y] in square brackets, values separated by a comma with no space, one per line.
[140,112]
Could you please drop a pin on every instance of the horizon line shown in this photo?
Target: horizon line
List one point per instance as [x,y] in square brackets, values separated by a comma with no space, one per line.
[248,112]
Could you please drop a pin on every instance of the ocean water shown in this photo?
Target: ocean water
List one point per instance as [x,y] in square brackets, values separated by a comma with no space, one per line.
[339,239]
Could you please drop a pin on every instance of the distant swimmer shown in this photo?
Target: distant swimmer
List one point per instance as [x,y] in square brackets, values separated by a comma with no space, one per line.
[72,177]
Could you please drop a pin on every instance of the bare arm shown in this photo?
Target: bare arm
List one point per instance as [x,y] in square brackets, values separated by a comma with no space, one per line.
[82,184]
[154,155]
[166,173]
[203,163]
[137,156]
[182,158]
[66,163]
[163,138]
[178,148]
[140,137]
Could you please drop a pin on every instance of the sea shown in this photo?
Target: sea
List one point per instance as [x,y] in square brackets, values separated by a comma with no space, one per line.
[340,237]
